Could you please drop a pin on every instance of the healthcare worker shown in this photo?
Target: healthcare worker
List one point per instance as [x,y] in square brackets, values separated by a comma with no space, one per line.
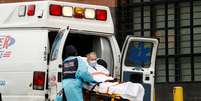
[75,72]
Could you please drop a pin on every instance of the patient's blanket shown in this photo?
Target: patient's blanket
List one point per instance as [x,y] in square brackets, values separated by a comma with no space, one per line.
[127,90]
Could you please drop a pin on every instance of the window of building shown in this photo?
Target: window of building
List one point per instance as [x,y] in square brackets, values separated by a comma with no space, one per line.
[177,25]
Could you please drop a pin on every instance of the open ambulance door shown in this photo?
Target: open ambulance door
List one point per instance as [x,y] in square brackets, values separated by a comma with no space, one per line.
[138,63]
[55,67]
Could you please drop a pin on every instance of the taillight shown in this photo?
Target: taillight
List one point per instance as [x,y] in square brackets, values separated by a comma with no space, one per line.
[55,10]
[38,80]
[101,15]
[31,10]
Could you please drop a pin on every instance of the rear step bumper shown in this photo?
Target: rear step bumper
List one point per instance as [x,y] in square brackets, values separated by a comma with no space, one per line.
[23,98]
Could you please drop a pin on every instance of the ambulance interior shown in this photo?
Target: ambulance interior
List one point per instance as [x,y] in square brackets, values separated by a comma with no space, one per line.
[86,43]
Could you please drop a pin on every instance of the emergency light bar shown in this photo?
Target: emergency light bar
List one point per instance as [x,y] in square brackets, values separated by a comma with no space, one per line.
[78,12]
[66,11]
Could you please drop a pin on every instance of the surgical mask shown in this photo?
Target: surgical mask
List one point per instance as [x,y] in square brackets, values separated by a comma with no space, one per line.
[92,63]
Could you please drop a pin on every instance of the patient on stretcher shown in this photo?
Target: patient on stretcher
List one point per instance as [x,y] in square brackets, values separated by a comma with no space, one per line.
[127,90]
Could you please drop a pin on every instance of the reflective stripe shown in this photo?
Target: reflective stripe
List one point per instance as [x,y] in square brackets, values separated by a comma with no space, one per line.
[70,68]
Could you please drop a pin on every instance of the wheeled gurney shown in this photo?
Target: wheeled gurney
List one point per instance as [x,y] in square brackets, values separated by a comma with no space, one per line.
[96,96]
[91,95]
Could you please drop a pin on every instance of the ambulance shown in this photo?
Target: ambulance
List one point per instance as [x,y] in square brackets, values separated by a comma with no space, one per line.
[34,34]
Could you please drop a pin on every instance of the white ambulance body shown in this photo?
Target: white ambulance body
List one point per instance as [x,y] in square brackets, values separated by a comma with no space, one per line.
[32,43]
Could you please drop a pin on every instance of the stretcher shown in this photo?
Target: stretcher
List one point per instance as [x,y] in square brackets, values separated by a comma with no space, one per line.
[91,95]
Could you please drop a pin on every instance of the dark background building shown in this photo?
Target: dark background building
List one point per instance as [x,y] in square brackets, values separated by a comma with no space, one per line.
[177,24]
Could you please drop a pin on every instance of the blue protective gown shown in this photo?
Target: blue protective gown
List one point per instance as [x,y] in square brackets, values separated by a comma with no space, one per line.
[73,87]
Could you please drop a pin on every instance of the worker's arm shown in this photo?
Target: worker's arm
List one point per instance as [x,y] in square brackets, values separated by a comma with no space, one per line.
[83,72]
[100,73]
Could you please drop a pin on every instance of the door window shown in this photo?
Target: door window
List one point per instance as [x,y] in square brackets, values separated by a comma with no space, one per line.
[56,44]
[139,54]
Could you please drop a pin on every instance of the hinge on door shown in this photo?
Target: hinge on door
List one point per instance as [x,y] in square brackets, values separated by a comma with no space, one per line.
[59,76]
[45,54]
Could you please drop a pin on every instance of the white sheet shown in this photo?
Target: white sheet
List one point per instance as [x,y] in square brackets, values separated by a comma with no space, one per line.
[127,90]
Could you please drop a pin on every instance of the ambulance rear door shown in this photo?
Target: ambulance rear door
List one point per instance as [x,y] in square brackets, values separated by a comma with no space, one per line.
[55,67]
[138,63]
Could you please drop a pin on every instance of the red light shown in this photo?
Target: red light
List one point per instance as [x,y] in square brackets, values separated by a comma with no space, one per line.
[38,80]
[31,10]
[101,15]
[55,10]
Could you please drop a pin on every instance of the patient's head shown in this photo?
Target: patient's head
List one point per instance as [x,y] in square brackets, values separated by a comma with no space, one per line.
[91,59]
